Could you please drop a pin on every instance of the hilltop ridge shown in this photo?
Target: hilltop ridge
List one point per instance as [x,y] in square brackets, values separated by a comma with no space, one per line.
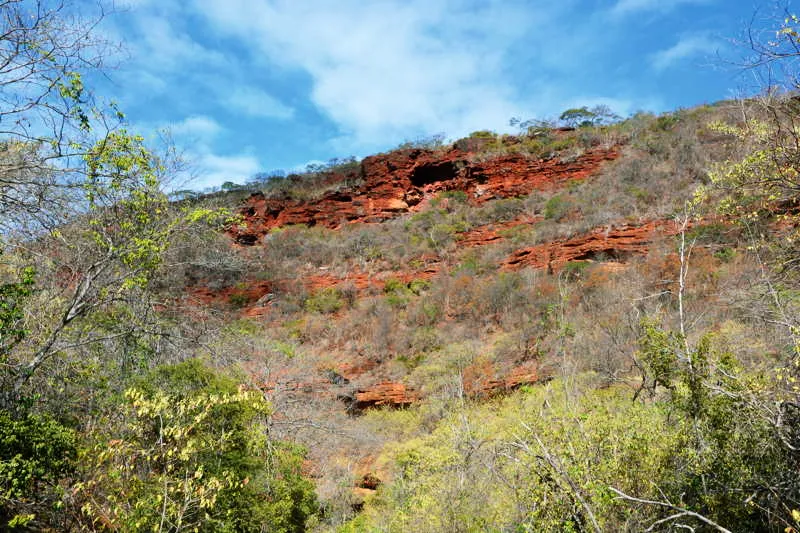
[421,236]
[403,181]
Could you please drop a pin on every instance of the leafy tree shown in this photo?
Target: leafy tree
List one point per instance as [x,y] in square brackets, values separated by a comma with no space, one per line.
[533,127]
[36,451]
[580,117]
[46,110]
[12,298]
[193,456]
[731,446]
[109,254]
[230,186]
[759,188]
[86,227]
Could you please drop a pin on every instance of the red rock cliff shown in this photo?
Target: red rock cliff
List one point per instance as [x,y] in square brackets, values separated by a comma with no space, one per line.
[397,182]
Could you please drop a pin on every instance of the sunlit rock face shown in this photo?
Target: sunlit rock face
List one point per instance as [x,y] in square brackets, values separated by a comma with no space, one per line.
[404,180]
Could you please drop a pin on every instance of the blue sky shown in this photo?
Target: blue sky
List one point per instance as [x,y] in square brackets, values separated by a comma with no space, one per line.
[249,86]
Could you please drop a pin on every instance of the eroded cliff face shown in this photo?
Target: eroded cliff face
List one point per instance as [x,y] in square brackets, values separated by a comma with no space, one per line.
[607,243]
[348,382]
[610,243]
[401,181]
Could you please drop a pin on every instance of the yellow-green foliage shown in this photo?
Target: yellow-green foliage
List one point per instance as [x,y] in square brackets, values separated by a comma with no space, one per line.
[398,293]
[327,300]
[760,187]
[436,228]
[192,455]
[550,457]
[484,468]
[754,181]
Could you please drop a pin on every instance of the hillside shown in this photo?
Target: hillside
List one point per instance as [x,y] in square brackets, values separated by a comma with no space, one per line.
[589,328]
[589,325]
[399,319]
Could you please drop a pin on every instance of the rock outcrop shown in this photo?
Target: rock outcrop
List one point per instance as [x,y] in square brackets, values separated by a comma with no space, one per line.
[400,182]
[485,380]
[492,233]
[384,394]
[608,243]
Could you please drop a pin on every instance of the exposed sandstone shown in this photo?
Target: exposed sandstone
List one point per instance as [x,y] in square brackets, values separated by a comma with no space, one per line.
[256,296]
[608,243]
[612,245]
[399,182]
[492,233]
[384,394]
[484,379]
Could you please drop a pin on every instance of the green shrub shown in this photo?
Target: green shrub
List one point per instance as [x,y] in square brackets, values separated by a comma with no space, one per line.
[725,254]
[393,285]
[575,269]
[192,452]
[398,294]
[238,299]
[430,142]
[36,451]
[666,122]
[518,234]
[425,339]
[410,362]
[397,300]
[326,301]
[417,286]
[426,312]
[562,143]
[445,482]
[545,459]
[502,210]
[458,196]
[556,208]
[286,349]
[716,233]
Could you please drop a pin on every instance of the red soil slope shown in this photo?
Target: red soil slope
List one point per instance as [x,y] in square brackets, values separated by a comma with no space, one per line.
[400,182]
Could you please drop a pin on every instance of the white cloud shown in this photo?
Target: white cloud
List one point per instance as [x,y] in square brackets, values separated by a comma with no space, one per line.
[198,135]
[196,127]
[162,47]
[213,169]
[627,7]
[196,139]
[393,69]
[687,47]
[381,72]
[257,103]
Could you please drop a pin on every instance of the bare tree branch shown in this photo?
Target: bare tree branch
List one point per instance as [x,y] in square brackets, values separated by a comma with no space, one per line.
[680,511]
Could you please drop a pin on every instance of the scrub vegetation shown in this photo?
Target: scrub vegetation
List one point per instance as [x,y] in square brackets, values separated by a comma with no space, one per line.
[402,375]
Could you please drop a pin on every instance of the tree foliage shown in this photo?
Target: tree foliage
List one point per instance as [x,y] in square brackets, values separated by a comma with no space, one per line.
[86,230]
[579,117]
[36,452]
[193,455]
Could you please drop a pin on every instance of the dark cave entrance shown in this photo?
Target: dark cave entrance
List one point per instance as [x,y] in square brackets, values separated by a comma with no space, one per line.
[433,173]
